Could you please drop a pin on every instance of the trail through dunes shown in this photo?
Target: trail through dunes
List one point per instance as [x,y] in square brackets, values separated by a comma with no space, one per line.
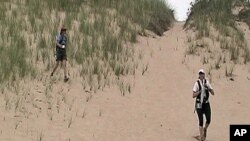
[160,107]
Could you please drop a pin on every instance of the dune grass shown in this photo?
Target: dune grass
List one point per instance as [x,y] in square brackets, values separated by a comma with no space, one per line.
[97,32]
[244,15]
[100,33]
[217,14]
[100,51]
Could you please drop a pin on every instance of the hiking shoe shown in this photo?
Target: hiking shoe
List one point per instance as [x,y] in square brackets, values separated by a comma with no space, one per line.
[66,79]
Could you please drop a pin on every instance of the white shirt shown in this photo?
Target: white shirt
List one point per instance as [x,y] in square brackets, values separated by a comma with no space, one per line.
[203,93]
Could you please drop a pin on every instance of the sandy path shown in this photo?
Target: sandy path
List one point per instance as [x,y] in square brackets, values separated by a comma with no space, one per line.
[160,107]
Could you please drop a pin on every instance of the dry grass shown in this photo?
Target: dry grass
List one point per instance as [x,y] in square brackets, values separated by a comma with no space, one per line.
[214,22]
[97,31]
[100,53]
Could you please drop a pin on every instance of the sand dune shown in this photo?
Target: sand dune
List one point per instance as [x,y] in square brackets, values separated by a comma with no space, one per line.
[160,107]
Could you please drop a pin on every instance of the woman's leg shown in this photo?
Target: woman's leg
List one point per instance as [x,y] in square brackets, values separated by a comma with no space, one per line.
[200,117]
[58,58]
[65,71]
[208,118]
[56,66]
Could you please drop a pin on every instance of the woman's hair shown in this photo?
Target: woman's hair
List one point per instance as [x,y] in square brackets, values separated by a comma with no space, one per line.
[63,29]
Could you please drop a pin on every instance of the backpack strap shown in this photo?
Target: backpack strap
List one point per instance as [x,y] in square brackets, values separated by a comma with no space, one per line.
[206,92]
[199,96]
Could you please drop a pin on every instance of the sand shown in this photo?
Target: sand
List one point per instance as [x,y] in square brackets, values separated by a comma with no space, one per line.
[160,107]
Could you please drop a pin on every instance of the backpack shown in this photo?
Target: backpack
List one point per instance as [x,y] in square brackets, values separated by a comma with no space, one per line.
[198,104]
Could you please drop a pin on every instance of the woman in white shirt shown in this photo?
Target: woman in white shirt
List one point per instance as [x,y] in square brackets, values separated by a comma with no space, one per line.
[201,90]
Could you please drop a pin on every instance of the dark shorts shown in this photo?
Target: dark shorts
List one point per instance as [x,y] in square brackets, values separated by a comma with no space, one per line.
[61,54]
[205,110]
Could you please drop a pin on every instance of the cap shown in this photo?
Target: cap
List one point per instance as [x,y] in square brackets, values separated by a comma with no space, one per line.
[201,71]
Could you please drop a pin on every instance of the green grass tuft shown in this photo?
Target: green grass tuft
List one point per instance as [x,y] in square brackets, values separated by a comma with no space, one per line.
[98,33]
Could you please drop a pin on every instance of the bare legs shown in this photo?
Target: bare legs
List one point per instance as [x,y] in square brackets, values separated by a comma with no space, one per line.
[57,64]
[201,133]
[63,65]
[65,70]
[205,130]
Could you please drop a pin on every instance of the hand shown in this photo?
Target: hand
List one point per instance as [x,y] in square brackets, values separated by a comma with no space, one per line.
[205,85]
[62,46]
[211,91]
[198,93]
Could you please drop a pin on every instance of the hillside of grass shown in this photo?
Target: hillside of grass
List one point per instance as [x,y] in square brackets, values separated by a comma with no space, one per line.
[98,32]
[217,31]
[244,14]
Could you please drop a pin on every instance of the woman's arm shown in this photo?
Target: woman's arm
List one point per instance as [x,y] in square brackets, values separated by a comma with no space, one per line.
[209,87]
[196,91]
[195,94]
[211,91]
[58,44]
[57,41]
